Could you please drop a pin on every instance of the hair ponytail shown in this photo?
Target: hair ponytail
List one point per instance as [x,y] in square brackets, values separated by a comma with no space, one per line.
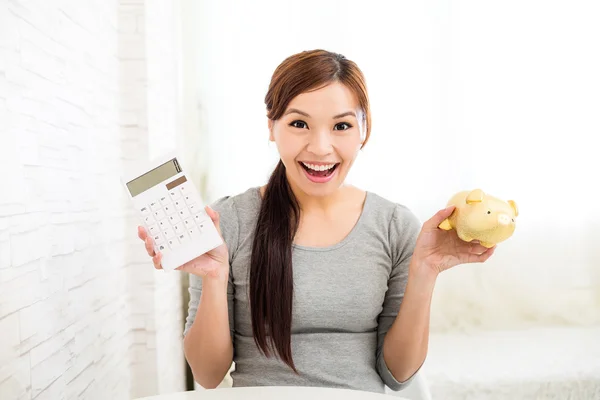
[271,274]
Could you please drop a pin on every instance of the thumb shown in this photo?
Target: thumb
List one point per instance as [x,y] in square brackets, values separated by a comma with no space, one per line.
[215,217]
[438,218]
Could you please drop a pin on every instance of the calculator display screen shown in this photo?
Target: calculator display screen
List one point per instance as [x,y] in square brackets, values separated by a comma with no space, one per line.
[153,177]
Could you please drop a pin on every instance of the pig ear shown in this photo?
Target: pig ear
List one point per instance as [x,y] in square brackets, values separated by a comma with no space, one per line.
[476,196]
[514,206]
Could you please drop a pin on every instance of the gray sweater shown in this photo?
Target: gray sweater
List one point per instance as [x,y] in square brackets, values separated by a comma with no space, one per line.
[346,297]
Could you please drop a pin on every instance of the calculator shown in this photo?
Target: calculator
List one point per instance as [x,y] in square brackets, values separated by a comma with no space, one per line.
[171,209]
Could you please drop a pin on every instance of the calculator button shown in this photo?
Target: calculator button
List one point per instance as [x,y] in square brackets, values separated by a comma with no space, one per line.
[188,223]
[169,233]
[193,231]
[174,218]
[153,229]
[185,188]
[164,200]
[179,204]
[173,242]
[200,217]
[155,205]
[161,247]
[169,209]
[163,224]
[159,214]
[145,211]
[184,213]
[189,198]
[178,228]
[174,194]
[158,239]
[194,208]
[183,238]
[149,219]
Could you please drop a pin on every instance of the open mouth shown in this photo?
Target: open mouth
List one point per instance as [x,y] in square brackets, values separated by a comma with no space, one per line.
[319,171]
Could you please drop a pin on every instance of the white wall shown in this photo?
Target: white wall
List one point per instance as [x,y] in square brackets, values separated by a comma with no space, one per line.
[464,95]
[164,108]
[86,88]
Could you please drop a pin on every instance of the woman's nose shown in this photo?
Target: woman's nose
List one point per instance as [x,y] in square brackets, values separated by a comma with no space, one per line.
[320,143]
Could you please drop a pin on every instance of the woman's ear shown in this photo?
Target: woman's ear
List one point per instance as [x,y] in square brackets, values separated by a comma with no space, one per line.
[271,136]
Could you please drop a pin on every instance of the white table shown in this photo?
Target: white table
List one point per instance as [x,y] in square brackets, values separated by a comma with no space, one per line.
[273,393]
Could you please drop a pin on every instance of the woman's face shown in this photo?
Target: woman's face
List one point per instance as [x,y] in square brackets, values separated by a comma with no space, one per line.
[319,137]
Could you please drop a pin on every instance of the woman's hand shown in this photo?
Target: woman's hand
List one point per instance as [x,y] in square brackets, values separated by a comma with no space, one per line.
[212,265]
[439,250]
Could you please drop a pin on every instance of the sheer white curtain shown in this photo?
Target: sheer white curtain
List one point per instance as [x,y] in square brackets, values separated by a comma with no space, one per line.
[501,96]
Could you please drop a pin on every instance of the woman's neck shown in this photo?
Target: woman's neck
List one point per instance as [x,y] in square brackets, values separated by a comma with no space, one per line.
[314,203]
[321,204]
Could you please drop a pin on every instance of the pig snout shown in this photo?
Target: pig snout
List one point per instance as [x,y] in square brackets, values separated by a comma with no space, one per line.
[505,219]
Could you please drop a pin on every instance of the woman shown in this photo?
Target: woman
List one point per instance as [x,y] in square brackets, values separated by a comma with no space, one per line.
[318,283]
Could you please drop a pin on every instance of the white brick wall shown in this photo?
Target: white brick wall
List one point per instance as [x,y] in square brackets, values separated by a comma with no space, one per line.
[163,104]
[82,312]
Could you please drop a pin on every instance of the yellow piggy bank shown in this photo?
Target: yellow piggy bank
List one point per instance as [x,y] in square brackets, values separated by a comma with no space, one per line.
[479,216]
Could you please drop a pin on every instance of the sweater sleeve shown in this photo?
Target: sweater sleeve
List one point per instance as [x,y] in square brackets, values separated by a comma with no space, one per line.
[229,225]
[403,231]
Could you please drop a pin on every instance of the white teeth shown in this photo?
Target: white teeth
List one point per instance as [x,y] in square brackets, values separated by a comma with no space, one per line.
[319,167]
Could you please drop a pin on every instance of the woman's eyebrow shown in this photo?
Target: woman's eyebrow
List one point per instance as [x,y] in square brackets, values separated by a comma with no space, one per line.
[295,110]
[345,114]
[342,115]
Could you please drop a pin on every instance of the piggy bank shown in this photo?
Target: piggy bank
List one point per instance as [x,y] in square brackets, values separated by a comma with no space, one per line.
[479,216]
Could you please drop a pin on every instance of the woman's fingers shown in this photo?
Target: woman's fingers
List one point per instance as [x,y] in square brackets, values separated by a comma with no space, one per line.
[470,247]
[474,252]
[214,216]
[438,218]
[156,260]
[149,246]
[142,233]
[477,249]
[486,254]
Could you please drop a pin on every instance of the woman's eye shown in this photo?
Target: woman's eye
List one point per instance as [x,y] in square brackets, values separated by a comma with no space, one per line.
[342,126]
[298,124]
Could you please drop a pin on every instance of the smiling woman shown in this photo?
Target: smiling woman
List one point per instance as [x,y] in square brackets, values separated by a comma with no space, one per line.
[318,283]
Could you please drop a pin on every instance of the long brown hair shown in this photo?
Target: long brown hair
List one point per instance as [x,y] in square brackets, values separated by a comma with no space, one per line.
[271,283]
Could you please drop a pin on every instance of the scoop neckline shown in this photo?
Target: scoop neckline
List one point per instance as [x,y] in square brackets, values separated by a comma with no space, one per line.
[345,240]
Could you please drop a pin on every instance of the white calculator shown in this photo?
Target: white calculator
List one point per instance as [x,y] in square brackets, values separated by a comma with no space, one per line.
[171,210]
